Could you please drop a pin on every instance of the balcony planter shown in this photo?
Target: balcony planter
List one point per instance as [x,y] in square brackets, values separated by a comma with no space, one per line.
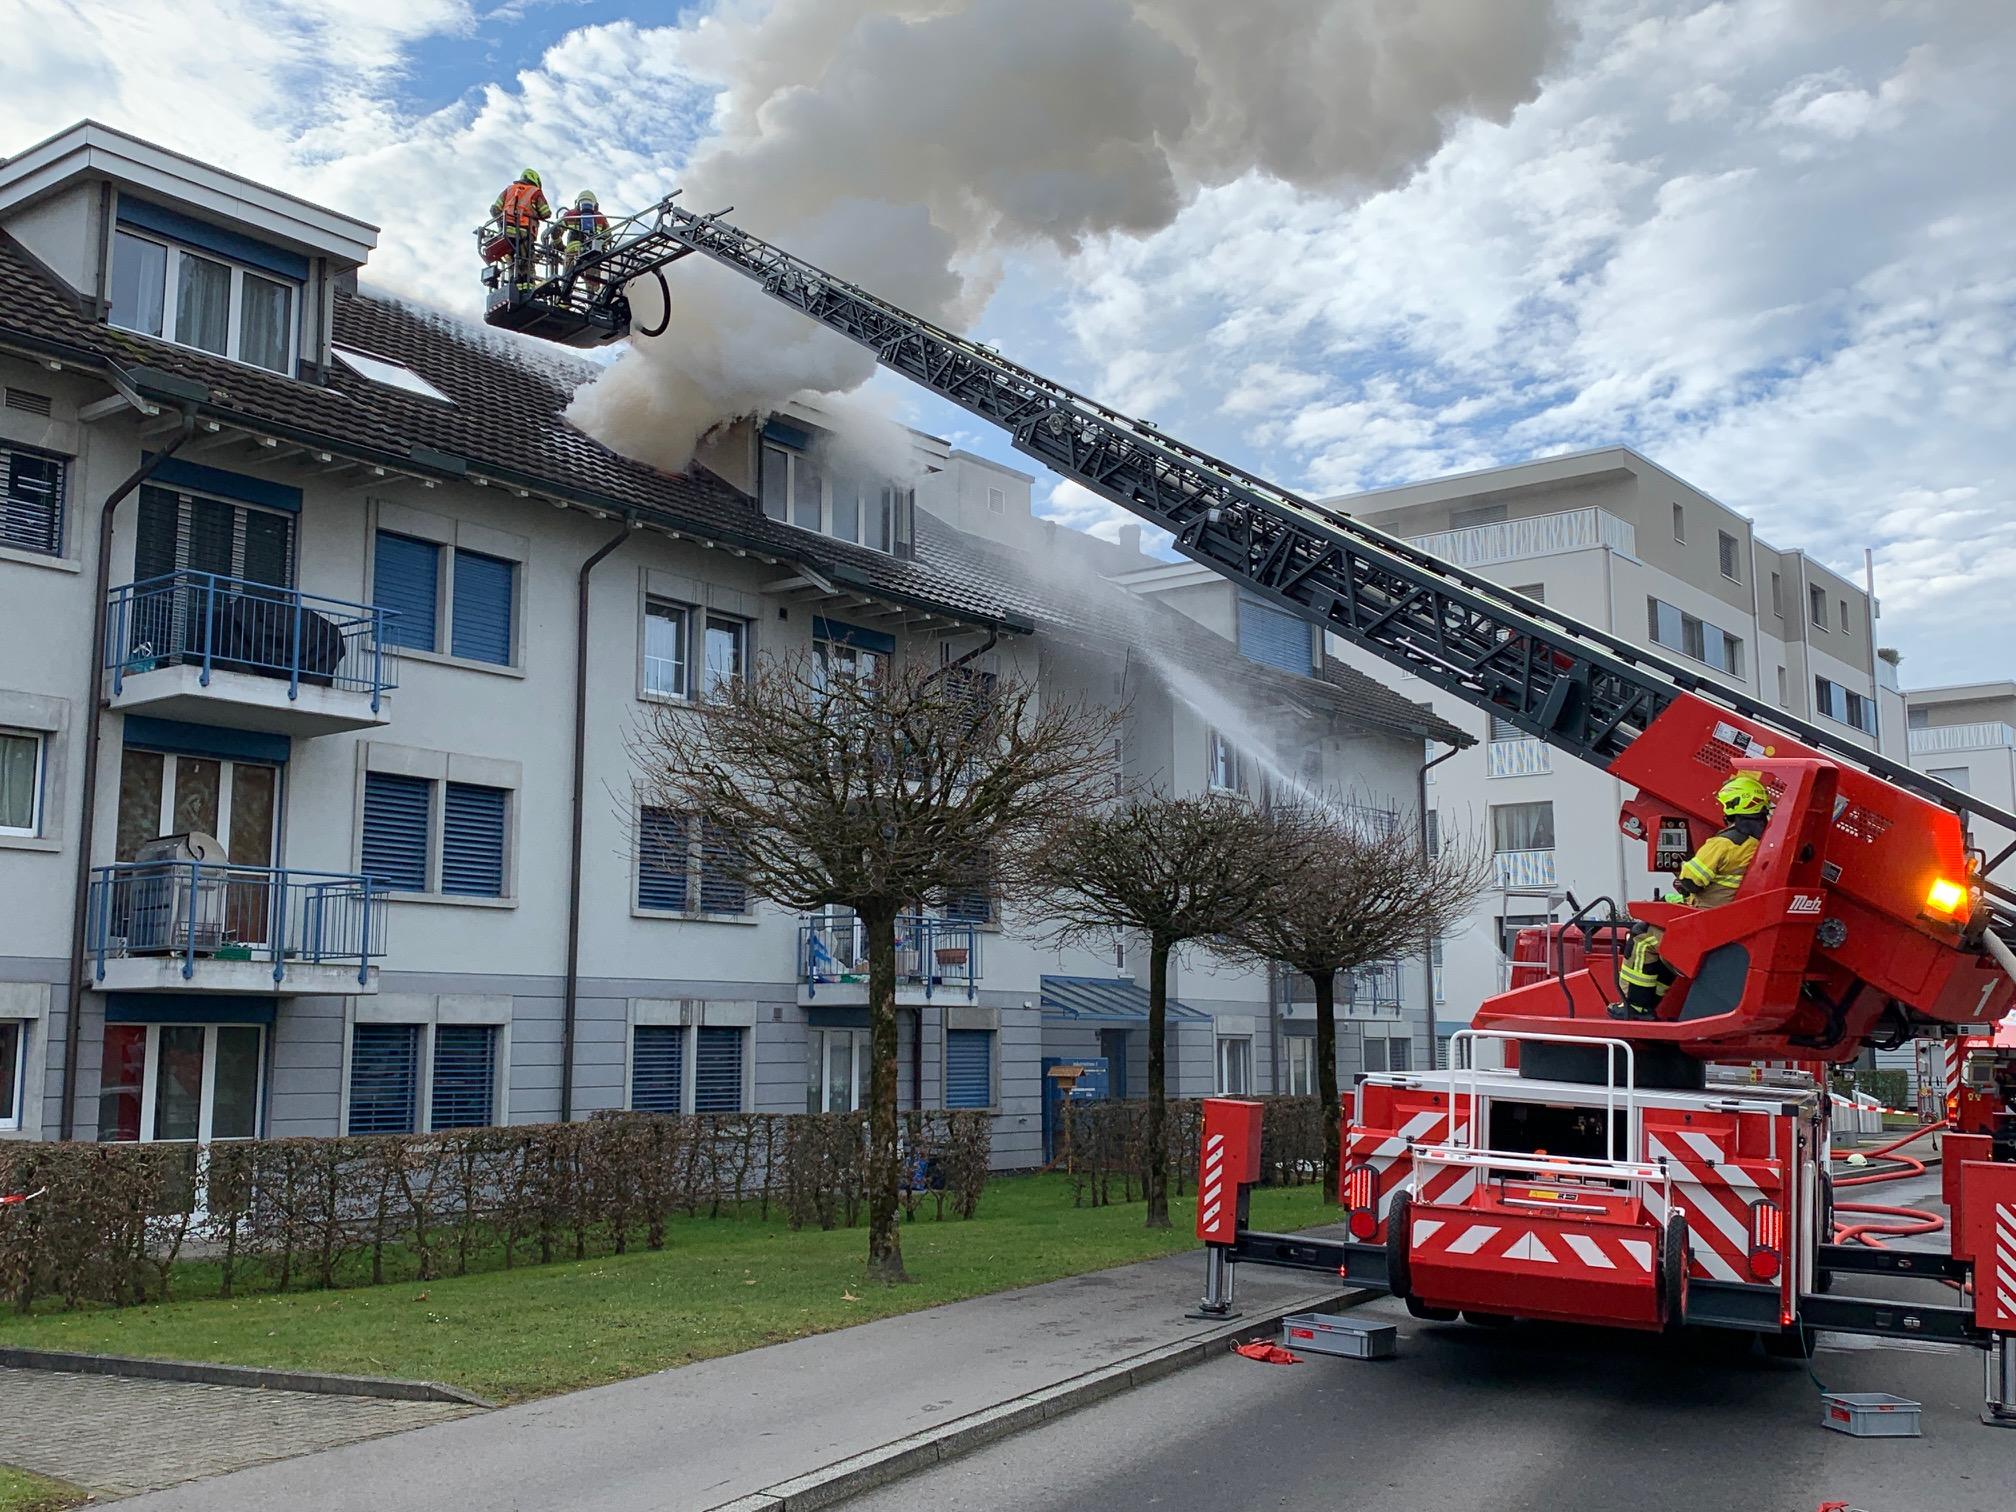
[951,955]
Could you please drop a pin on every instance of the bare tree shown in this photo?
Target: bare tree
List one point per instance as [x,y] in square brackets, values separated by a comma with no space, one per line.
[1174,870]
[879,795]
[1366,890]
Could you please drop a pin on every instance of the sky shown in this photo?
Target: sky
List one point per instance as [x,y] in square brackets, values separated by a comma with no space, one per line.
[1766,243]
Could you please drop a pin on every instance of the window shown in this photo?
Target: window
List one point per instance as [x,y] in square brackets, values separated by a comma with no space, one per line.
[384,1079]
[969,1068]
[657,1068]
[180,531]
[1778,595]
[1522,826]
[1477,514]
[1509,926]
[481,607]
[31,511]
[464,1093]
[680,864]
[1395,1053]
[384,370]
[847,653]
[1435,968]
[1844,615]
[1726,548]
[1955,777]
[197,300]
[1784,691]
[1432,824]
[1235,1065]
[1504,729]
[665,633]
[398,843]
[1682,632]
[1534,591]
[1223,769]
[837,1070]
[1918,719]
[1816,602]
[727,652]
[1849,708]
[21,782]
[717,1069]
[1274,637]
[1679,523]
[406,582]
[997,501]
[180,1082]
[794,489]
[13,1057]
[1301,1066]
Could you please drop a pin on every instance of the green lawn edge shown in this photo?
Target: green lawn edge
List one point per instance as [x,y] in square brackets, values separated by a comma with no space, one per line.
[719,1286]
[25,1491]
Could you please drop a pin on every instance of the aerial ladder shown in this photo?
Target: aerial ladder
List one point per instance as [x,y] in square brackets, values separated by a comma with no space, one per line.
[1567,1165]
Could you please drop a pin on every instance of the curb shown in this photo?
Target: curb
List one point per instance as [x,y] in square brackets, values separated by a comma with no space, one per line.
[199,1373]
[876,1467]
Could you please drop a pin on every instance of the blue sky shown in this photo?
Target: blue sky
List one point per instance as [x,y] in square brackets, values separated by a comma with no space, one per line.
[1765,242]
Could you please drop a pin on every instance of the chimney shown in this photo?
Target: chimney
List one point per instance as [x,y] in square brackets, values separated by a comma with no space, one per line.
[1130,539]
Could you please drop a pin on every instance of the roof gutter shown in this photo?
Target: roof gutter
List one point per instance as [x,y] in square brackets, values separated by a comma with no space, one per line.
[94,720]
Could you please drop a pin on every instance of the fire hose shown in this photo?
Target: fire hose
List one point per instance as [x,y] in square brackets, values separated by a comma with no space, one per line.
[1902,1221]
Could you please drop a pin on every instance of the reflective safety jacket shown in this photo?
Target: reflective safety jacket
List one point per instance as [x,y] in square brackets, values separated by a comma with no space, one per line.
[520,205]
[582,229]
[1710,877]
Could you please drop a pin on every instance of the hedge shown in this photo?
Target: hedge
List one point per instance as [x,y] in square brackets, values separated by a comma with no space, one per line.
[1103,1146]
[114,1219]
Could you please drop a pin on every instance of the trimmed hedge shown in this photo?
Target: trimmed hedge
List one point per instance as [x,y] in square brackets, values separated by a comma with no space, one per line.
[1103,1146]
[280,1213]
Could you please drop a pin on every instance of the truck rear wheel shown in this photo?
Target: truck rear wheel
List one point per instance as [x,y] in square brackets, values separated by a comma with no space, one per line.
[1672,1277]
[1399,1276]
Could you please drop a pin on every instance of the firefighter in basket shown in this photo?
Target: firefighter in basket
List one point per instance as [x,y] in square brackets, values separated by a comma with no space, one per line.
[1708,879]
[579,229]
[518,211]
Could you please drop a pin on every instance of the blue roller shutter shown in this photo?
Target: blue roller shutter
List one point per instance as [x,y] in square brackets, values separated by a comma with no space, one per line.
[661,859]
[969,1068]
[396,813]
[472,841]
[717,1070]
[406,581]
[719,892]
[657,1068]
[31,510]
[465,1076]
[482,607]
[384,1078]
[1274,637]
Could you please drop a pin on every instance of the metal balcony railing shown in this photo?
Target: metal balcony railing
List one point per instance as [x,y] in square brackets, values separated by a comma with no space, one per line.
[1985,735]
[202,911]
[1534,536]
[227,624]
[1366,987]
[933,954]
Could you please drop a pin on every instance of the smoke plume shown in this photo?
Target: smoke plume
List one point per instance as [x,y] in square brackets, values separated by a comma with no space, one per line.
[906,144]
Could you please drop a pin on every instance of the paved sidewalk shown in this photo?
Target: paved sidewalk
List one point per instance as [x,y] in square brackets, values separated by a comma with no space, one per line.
[117,1435]
[702,1436]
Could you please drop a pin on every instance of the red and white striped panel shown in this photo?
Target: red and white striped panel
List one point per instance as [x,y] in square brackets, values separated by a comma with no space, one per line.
[2004,1266]
[1389,1156]
[1598,1249]
[1211,1193]
[1715,1195]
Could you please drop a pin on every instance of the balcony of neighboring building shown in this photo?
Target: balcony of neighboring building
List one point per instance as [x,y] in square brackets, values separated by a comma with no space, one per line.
[1534,536]
[1982,735]
[206,926]
[1371,991]
[210,649]
[937,960]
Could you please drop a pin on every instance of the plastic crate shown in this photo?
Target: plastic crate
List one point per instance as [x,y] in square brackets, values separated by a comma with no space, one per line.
[1869,1414]
[1326,1333]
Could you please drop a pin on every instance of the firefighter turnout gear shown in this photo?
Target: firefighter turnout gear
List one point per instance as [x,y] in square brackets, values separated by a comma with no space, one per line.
[518,212]
[581,227]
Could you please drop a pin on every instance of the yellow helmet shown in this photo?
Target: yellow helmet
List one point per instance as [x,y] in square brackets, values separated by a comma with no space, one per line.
[1744,793]
[586,200]
[530,175]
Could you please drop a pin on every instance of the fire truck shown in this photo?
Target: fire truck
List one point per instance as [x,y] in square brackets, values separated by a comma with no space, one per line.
[1662,1174]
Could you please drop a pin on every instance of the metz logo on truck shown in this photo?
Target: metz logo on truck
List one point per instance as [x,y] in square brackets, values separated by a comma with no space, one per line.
[1804,903]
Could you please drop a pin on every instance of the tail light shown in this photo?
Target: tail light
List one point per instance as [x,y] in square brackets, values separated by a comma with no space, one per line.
[1767,1240]
[1361,1196]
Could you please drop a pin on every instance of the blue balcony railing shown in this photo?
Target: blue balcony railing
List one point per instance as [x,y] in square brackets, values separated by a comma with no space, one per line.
[227,624]
[936,955]
[202,911]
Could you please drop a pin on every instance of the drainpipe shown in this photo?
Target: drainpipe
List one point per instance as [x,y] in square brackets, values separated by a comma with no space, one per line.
[571,996]
[94,702]
[1428,946]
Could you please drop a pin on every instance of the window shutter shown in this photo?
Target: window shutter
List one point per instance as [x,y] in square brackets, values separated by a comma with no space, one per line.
[482,607]
[465,1076]
[657,1068]
[31,511]
[661,861]
[717,1071]
[406,582]
[472,841]
[396,814]
[1274,637]
[719,892]
[969,1068]
[384,1078]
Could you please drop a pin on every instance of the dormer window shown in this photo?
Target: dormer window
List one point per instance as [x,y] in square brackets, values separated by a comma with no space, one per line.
[796,489]
[201,297]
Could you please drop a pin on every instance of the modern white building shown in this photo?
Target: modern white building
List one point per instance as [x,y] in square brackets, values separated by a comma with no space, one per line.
[1965,734]
[323,638]
[1616,541]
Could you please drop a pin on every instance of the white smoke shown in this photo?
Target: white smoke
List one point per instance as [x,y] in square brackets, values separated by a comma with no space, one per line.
[906,144]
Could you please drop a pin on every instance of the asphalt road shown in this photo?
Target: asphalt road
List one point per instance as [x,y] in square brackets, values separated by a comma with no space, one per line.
[1533,1418]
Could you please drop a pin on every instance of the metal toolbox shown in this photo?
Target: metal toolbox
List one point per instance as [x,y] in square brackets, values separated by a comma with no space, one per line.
[1869,1414]
[1326,1333]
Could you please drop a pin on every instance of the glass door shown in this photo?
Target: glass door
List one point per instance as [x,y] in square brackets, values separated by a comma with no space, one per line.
[180,1082]
[236,801]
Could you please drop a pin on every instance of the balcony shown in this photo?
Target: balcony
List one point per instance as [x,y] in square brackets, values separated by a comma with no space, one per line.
[1538,536]
[1366,992]
[1524,757]
[935,958]
[1985,736]
[215,650]
[1523,868]
[193,926]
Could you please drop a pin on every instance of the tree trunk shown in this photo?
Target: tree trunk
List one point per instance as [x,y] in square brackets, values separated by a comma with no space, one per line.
[1325,983]
[1157,1174]
[885,1246]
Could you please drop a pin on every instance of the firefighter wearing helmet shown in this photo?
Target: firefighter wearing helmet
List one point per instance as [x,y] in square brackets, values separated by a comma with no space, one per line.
[518,212]
[1708,879]
[581,227]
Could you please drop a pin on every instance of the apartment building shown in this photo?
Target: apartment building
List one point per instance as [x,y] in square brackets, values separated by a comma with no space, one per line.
[1965,735]
[1618,542]
[323,641]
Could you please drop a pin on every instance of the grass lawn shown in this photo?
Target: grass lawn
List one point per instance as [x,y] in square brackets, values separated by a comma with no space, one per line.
[718,1286]
[23,1492]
